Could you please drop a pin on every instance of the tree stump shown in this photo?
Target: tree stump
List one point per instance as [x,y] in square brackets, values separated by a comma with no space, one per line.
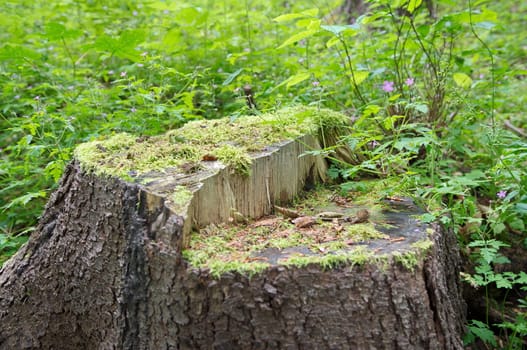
[106,267]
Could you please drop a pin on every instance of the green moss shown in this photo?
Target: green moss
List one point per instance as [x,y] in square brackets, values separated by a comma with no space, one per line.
[223,248]
[231,142]
[229,249]
[364,232]
[408,260]
[357,257]
[235,157]
[218,268]
[124,155]
[180,198]
[423,246]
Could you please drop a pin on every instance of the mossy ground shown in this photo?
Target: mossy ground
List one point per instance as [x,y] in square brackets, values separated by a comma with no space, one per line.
[231,247]
[229,141]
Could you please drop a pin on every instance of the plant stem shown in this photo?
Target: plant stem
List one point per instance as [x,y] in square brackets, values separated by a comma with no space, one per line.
[352,73]
[491,56]
[70,56]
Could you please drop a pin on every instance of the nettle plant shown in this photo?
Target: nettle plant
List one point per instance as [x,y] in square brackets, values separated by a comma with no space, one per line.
[398,63]
[487,257]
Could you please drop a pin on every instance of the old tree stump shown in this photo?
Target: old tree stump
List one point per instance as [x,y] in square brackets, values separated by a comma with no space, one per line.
[170,242]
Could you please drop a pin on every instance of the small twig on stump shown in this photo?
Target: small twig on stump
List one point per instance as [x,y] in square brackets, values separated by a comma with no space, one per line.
[249,97]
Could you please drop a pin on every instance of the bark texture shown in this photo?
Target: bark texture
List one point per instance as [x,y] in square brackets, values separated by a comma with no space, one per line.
[73,284]
[104,270]
[303,308]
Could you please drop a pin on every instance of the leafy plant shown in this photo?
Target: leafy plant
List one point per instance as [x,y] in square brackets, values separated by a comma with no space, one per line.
[487,256]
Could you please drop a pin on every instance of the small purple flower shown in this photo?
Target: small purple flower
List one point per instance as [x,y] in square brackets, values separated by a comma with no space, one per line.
[17,97]
[135,13]
[111,72]
[409,81]
[388,86]
[37,98]
[123,74]
[501,194]
[140,65]
[316,83]
[144,54]
[133,110]
[373,144]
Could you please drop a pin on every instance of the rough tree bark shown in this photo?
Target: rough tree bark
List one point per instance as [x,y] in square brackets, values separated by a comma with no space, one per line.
[104,270]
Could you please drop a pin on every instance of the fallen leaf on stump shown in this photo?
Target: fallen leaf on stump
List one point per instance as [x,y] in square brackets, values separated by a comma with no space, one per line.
[362,216]
[269,222]
[304,221]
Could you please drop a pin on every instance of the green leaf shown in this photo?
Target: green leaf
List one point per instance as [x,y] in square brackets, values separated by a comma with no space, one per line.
[54,31]
[371,110]
[57,31]
[360,76]
[334,40]
[501,259]
[297,79]
[298,36]
[522,278]
[354,186]
[308,23]
[54,169]
[9,52]
[394,98]
[171,41]
[123,46]
[462,80]
[313,24]
[517,224]
[310,12]
[389,122]
[427,218]
[413,4]
[10,242]
[502,282]
[190,16]
[105,43]
[288,17]
[231,77]
[291,16]
[340,29]
[420,107]
[521,208]
[482,331]
[23,200]
[498,228]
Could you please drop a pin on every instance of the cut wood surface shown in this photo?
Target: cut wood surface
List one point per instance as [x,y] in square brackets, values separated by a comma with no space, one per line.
[105,268]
